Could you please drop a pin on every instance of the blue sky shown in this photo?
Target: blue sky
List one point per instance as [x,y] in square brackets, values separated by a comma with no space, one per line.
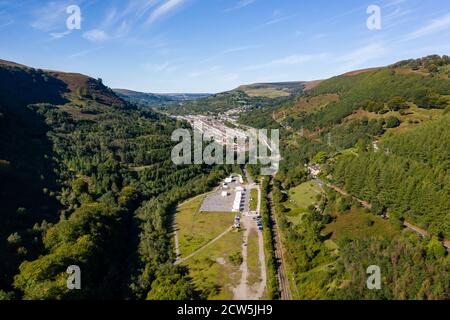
[216,45]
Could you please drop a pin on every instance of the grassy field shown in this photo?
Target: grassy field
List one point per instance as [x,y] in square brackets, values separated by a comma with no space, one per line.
[213,272]
[252,258]
[411,119]
[196,229]
[253,199]
[358,223]
[313,284]
[300,198]
[308,105]
[267,92]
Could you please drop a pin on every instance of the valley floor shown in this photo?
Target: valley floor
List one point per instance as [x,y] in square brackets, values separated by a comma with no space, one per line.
[224,262]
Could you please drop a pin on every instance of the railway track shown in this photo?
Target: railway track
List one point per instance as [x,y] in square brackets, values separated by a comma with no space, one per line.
[283,282]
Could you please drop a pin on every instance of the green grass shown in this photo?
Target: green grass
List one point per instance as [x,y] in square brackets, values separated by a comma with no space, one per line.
[253,258]
[268,93]
[358,223]
[211,270]
[314,284]
[331,245]
[411,119]
[196,229]
[300,198]
[253,199]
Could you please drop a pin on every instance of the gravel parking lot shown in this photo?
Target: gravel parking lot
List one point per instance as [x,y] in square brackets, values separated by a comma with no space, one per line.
[216,203]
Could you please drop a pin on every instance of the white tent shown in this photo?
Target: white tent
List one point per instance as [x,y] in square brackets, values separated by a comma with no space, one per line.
[237,202]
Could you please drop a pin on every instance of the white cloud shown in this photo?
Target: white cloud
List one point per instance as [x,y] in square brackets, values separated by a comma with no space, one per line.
[167,7]
[5,19]
[394,3]
[361,55]
[433,26]
[289,61]
[279,19]
[83,53]
[96,35]
[50,16]
[60,35]
[241,4]
[158,68]
[242,48]
[231,50]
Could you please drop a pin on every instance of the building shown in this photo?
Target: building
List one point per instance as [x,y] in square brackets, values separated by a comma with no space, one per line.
[314,170]
[237,202]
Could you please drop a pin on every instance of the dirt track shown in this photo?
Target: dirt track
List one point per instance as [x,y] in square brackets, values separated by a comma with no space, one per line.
[244,291]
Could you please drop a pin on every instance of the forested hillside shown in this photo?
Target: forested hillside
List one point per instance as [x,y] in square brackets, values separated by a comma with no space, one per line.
[399,109]
[154,100]
[240,98]
[408,178]
[380,135]
[86,179]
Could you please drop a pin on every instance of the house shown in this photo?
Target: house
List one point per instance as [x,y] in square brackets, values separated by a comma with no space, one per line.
[314,170]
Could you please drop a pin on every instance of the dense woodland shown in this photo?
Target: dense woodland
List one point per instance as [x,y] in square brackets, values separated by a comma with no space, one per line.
[90,184]
[408,178]
[223,102]
[412,268]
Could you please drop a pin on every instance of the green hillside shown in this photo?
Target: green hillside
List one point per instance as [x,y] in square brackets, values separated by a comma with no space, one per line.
[86,179]
[247,97]
[381,135]
[155,100]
